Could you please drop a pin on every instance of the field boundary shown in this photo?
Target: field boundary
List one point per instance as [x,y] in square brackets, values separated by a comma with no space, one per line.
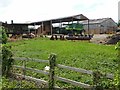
[52,64]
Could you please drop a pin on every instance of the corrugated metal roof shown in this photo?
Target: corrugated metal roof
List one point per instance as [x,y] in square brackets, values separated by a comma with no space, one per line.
[95,21]
[57,20]
[17,24]
[64,19]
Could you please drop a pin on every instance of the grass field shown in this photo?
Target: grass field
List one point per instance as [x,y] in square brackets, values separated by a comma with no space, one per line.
[72,53]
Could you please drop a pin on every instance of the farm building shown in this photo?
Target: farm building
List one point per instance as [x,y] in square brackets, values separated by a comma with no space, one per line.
[15,28]
[49,26]
[46,27]
[100,26]
[53,26]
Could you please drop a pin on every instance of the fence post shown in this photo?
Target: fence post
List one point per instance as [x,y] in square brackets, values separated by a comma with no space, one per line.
[24,68]
[97,80]
[52,63]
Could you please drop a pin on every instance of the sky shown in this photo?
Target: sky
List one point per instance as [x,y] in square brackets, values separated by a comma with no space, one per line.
[22,11]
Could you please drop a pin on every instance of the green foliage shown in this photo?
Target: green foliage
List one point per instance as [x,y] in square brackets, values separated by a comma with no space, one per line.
[7,60]
[96,78]
[12,84]
[117,74]
[3,35]
[100,81]
[76,54]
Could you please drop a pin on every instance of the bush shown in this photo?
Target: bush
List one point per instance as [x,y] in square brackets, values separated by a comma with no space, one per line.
[117,74]
[7,60]
[12,84]
[3,35]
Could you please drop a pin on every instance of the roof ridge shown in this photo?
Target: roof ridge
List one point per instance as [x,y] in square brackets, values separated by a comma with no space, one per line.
[99,19]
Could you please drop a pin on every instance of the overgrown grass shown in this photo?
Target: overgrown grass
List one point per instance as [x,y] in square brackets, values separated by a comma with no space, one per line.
[78,54]
[72,53]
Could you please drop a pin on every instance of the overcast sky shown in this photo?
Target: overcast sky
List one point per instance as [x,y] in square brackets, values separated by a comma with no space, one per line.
[37,10]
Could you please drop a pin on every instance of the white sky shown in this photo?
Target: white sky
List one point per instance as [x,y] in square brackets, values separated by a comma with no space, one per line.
[21,11]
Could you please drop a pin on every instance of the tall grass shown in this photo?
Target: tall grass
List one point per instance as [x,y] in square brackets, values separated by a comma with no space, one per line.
[78,54]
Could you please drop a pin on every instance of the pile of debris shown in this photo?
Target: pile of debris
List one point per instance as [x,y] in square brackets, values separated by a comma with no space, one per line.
[105,39]
[113,39]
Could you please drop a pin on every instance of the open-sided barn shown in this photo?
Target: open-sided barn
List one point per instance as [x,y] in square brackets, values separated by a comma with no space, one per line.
[47,27]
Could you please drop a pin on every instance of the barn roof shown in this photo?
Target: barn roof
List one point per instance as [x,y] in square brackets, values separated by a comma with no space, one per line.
[95,21]
[79,17]
[15,24]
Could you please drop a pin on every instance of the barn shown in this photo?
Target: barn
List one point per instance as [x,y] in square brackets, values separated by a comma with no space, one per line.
[15,28]
[100,26]
[46,27]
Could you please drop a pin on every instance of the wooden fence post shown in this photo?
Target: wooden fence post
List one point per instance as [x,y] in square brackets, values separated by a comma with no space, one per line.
[52,62]
[97,80]
[24,68]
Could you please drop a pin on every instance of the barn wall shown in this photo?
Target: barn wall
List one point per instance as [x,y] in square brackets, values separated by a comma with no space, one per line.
[47,28]
[93,28]
[44,29]
[108,26]
[39,30]
[16,28]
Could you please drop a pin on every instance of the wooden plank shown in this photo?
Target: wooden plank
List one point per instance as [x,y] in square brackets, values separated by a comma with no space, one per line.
[62,66]
[110,76]
[32,69]
[58,78]
[32,78]
[30,59]
[73,82]
[40,81]
[18,66]
[75,69]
